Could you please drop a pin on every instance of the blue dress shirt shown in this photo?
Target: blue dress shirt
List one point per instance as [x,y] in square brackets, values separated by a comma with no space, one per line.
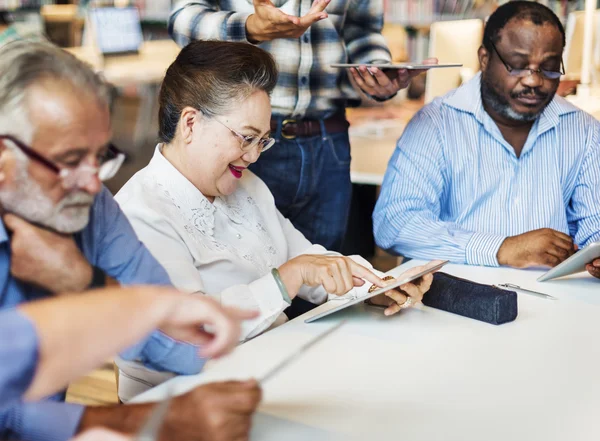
[455,189]
[18,355]
[109,243]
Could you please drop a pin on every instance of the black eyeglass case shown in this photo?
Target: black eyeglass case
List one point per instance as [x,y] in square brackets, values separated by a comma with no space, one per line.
[473,300]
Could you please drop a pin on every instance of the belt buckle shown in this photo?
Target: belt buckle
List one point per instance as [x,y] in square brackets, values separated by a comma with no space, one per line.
[285,123]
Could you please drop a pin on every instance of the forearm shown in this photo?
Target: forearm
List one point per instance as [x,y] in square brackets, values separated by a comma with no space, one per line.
[204,21]
[418,235]
[108,320]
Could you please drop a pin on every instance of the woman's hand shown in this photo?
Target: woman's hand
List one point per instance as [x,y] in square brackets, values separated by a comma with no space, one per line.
[337,274]
[406,295]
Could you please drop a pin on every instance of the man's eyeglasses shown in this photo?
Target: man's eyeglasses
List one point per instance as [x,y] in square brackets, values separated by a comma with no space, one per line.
[107,167]
[247,143]
[522,73]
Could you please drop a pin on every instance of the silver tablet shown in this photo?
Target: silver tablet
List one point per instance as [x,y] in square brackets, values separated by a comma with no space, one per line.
[393,285]
[407,66]
[574,264]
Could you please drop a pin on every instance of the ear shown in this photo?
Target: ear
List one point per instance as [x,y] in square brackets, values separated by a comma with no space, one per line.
[484,58]
[187,121]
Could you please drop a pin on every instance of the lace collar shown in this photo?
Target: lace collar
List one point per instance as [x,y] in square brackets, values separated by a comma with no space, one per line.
[240,207]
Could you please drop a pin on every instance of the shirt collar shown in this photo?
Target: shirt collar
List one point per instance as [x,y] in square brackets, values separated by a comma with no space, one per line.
[3,233]
[467,98]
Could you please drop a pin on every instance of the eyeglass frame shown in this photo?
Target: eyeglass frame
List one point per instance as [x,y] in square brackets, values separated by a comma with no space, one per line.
[32,154]
[542,72]
[244,139]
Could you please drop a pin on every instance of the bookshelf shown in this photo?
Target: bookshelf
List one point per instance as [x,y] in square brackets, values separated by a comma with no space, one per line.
[416,16]
[151,11]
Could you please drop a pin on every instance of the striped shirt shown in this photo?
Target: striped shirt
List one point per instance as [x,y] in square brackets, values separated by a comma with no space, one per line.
[307,85]
[454,188]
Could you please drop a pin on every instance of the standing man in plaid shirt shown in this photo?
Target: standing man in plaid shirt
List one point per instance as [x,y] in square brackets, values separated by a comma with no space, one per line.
[308,169]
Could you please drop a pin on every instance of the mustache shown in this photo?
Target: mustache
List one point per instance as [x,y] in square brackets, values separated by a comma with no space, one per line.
[77,198]
[529,92]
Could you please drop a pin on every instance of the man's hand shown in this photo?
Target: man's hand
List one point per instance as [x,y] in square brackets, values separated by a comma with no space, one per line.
[269,22]
[545,247]
[377,83]
[46,259]
[594,268]
[213,412]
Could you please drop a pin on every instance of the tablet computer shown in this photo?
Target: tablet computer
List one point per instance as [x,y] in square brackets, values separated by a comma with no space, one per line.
[574,264]
[398,282]
[407,66]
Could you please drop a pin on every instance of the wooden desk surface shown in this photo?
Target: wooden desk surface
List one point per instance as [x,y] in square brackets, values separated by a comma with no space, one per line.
[374,132]
[146,67]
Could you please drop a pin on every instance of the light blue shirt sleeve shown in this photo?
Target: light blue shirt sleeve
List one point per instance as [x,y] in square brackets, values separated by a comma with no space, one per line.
[407,220]
[18,355]
[40,421]
[582,212]
[111,244]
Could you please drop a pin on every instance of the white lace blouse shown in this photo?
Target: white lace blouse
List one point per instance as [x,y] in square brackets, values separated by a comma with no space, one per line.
[224,249]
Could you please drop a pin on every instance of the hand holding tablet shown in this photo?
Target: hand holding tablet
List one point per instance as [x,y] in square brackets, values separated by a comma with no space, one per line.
[405,278]
[381,81]
[582,260]
[407,66]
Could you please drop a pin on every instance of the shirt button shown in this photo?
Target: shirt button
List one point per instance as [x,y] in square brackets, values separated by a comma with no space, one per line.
[304,80]
[306,38]
[239,236]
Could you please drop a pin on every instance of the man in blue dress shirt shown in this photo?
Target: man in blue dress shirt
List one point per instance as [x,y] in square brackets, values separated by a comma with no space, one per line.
[500,171]
[65,233]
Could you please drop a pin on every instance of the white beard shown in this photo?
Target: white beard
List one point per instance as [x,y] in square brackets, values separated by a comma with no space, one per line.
[28,201]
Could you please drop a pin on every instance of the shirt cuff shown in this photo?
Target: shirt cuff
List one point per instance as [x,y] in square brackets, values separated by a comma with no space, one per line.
[482,249]
[42,421]
[270,304]
[235,27]
[20,347]
[163,353]
[381,100]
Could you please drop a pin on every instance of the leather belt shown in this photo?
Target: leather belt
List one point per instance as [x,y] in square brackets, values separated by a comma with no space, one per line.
[298,128]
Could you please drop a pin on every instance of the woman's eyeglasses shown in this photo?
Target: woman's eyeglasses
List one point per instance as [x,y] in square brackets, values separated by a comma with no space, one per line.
[108,165]
[247,143]
[522,73]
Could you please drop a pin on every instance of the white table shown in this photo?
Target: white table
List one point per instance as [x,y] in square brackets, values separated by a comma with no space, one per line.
[427,375]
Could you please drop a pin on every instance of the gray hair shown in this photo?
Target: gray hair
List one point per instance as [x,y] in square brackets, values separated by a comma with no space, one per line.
[24,63]
[212,77]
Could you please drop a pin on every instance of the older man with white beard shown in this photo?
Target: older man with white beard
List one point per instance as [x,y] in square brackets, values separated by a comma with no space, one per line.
[61,231]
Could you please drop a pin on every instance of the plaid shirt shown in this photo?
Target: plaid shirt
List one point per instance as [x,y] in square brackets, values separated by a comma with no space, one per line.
[307,85]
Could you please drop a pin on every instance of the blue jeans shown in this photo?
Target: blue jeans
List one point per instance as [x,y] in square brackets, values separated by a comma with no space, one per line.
[310,180]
